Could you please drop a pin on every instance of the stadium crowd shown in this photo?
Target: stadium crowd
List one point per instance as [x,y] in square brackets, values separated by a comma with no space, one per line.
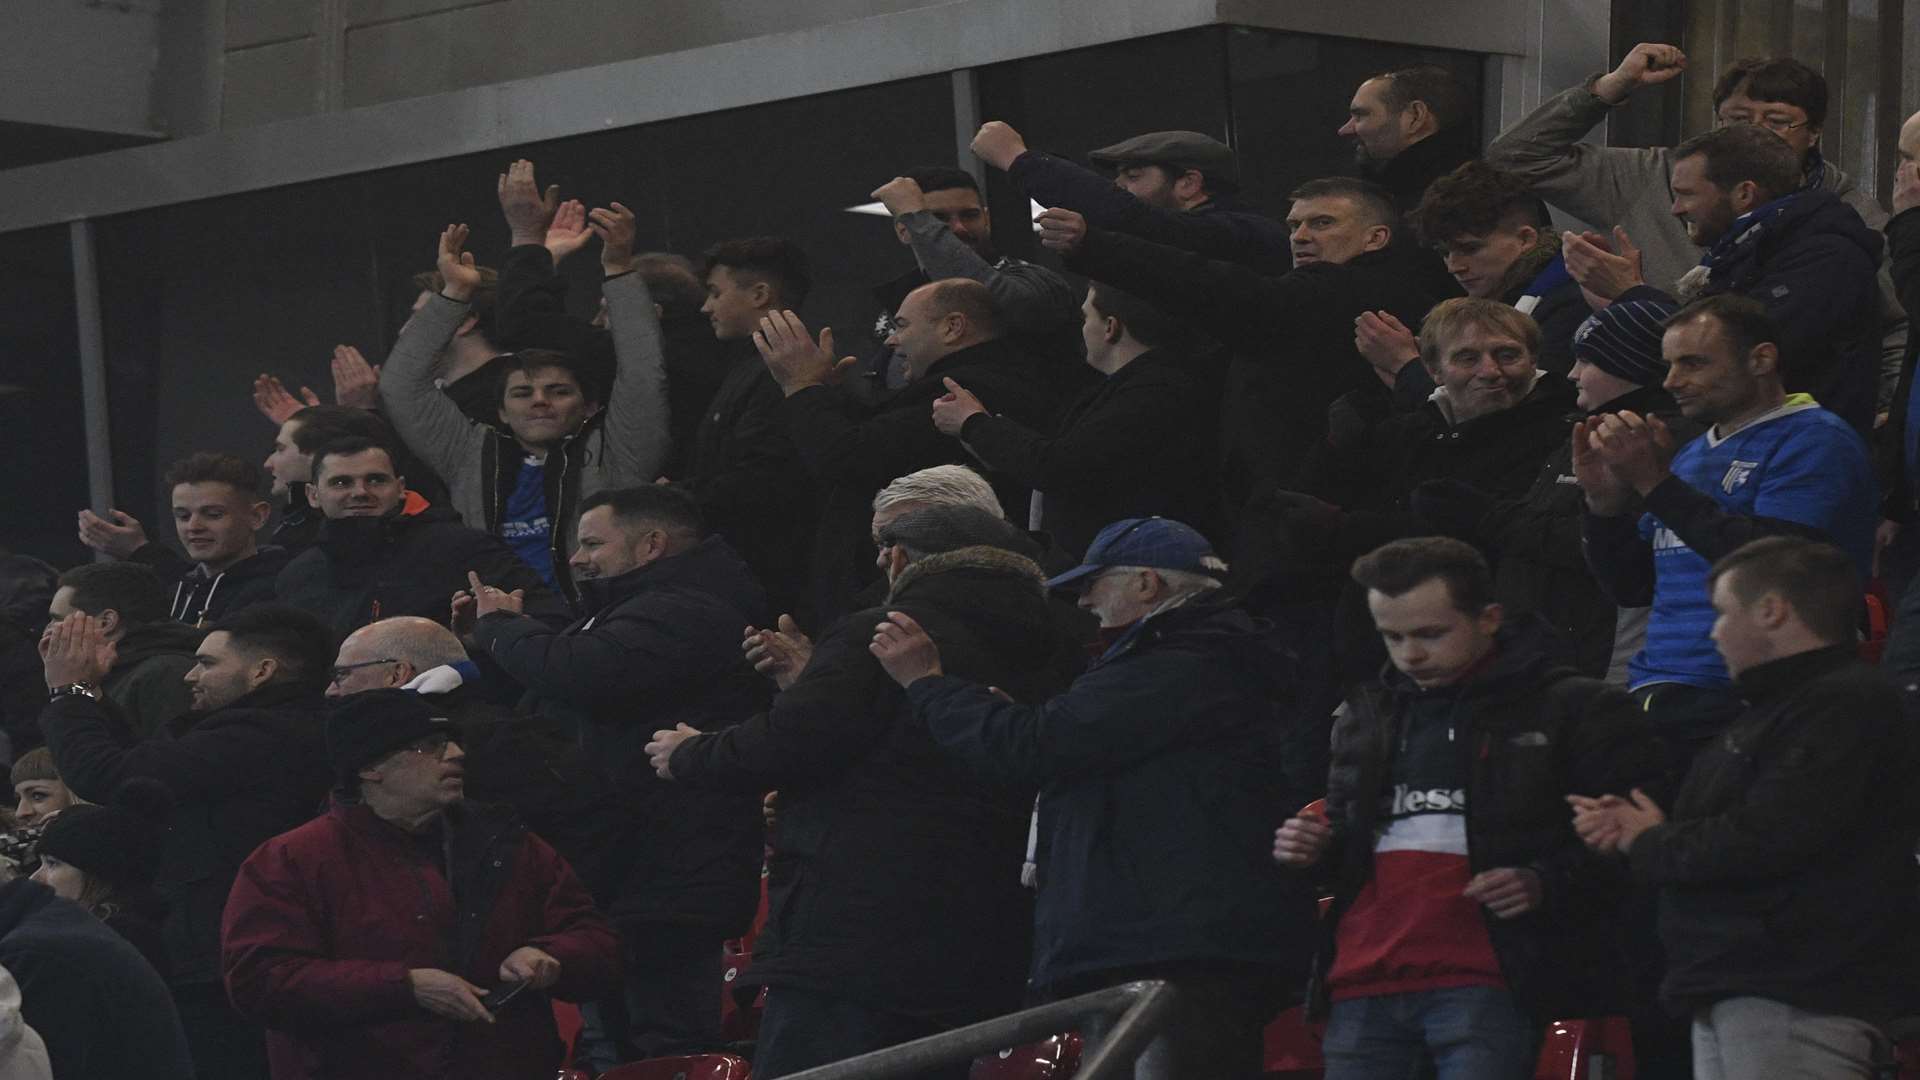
[1508,586]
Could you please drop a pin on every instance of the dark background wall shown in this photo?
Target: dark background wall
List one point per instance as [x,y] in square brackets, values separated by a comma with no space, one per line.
[200,297]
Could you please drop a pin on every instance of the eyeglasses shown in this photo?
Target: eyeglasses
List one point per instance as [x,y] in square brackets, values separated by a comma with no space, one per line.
[1779,125]
[342,671]
[430,746]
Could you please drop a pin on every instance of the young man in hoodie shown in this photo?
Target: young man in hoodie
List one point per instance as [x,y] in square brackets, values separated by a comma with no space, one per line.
[219,508]
[1466,912]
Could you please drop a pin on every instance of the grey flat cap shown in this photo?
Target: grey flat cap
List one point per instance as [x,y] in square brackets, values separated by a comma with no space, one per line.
[1188,148]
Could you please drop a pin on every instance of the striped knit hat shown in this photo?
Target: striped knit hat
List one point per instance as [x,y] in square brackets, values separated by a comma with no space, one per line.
[1623,340]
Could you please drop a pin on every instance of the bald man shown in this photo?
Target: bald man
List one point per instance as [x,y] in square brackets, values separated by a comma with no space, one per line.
[525,762]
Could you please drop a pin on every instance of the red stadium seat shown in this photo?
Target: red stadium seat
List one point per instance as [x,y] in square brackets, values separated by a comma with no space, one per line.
[695,1067]
[1293,1046]
[1580,1049]
[1048,1059]
[1879,620]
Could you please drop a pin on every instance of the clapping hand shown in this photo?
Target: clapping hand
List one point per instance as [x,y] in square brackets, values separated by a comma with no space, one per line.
[781,653]
[614,225]
[275,403]
[1604,270]
[795,360]
[117,534]
[528,211]
[356,383]
[904,649]
[456,265]
[76,650]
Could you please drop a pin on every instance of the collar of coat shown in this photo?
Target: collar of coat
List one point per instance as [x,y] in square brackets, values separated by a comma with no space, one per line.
[1777,678]
[992,560]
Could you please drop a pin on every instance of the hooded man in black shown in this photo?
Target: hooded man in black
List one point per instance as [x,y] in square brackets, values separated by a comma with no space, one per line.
[152,653]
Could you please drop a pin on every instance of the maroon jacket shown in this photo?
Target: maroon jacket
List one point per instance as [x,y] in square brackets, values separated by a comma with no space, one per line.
[324,922]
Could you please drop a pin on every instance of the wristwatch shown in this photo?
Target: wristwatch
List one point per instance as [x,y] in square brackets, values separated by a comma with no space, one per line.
[79,689]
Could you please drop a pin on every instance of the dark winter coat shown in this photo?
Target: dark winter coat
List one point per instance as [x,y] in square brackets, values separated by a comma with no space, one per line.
[1534,542]
[238,775]
[1815,266]
[751,485]
[1499,453]
[535,764]
[362,570]
[103,1012]
[1299,323]
[1138,444]
[200,600]
[325,921]
[1538,731]
[1407,174]
[1163,773]
[148,677]
[661,649]
[890,859]
[1219,228]
[1900,449]
[1786,865]
[852,451]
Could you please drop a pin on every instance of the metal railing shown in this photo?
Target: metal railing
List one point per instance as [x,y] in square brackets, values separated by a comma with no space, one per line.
[1141,1008]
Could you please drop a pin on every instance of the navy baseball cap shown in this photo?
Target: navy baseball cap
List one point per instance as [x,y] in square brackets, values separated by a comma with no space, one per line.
[1155,542]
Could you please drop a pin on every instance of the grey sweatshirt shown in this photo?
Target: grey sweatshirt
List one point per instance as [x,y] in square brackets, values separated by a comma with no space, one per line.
[629,442]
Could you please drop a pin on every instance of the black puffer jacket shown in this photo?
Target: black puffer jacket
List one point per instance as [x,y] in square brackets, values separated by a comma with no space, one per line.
[1786,865]
[895,877]
[1163,773]
[1537,732]
[239,776]
[661,648]
[362,570]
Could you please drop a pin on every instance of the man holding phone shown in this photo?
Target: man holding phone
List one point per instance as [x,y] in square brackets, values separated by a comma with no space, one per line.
[402,932]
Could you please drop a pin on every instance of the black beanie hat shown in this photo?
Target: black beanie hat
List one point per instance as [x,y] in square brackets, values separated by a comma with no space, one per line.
[365,727]
[1623,340]
[119,843]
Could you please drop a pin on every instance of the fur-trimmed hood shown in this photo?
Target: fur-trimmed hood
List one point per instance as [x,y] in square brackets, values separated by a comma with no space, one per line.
[993,561]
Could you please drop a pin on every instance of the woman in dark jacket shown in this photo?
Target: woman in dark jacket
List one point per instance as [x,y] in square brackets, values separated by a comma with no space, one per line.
[104,858]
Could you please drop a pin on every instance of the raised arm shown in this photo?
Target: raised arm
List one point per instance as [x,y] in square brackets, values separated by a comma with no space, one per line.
[426,419]
[1032,298]
[1590,182]
[636,438]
